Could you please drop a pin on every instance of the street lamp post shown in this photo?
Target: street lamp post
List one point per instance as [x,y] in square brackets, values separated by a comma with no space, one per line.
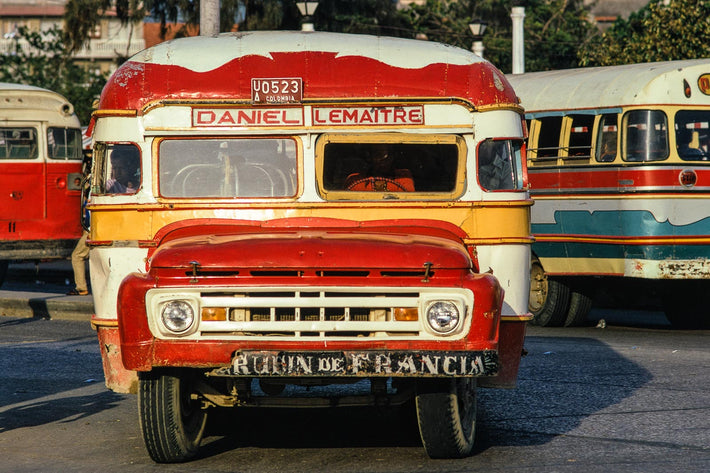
[209,17]
[307,9]
[518,17]
[477,28]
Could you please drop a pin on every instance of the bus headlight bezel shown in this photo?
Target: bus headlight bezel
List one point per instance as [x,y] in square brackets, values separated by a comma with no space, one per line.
[178,316]
[445,316]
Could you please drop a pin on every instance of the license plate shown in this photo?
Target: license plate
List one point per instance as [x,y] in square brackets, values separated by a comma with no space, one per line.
[365,363]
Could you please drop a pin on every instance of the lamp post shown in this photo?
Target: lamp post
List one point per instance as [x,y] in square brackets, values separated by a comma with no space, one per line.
[209,17]
[518,17]
[307,9]
[477,28]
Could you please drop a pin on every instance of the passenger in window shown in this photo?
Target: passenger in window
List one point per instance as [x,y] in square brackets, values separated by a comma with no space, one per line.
[125,170]
[381,174]
[608,151]
[684,138]
[495,171]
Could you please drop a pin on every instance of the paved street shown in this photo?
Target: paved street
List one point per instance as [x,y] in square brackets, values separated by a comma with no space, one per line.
[631,397]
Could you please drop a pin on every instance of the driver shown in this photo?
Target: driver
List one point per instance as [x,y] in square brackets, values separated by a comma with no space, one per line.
[381,175]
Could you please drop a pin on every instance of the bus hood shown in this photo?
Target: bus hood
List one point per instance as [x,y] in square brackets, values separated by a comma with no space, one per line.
[324,249]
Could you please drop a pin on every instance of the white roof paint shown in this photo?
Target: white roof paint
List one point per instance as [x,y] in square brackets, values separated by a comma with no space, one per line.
[398,52]
[612,86]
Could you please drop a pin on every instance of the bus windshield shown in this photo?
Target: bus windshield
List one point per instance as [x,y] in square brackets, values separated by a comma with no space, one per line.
[227,168]
[353,168]
[18,143]
[64,143]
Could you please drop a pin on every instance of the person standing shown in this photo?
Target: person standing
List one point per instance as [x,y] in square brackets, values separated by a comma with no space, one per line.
[78,263]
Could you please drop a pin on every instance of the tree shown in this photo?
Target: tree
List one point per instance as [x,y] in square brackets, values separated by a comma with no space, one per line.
[81,16]
[42,59]
[554,29]
[657,32]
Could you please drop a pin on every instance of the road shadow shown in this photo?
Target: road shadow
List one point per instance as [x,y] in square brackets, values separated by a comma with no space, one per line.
[45,366]
[562,381]
[67,409]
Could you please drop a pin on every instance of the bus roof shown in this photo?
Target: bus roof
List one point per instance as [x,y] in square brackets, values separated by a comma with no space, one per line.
[331,65]
[26,98]
[614,86]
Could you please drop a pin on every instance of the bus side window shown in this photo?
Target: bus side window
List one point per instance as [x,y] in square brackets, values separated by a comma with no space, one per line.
[580,138]
[607,139]
[548,139]
[692,135]
[64,143]
[18,143]
[646,136]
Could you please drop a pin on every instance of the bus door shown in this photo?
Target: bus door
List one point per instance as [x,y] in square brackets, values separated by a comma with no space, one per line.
[63,175]
[22,164]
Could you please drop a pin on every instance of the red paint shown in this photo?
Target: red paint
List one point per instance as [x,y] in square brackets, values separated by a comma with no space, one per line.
[604,178]
[134,85]
[36,204]
[309,251]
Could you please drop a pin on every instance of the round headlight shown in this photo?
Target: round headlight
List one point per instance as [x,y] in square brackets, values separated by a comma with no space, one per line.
[443,316]
[178,316]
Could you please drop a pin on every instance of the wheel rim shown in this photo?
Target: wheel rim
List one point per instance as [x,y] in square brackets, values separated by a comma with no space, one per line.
[538,288]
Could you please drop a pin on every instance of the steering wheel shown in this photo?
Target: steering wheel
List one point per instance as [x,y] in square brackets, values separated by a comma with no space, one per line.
[373,180]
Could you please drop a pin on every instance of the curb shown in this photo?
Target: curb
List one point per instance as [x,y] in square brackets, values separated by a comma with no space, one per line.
[46,306]
[39,291]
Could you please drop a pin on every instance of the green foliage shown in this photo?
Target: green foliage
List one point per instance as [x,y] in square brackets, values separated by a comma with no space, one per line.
[81,16]
[554,29]
[43,60]
[375,17]
[657,32]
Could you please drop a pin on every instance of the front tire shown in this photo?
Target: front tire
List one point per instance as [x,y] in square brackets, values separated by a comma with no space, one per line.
[446,413]
[172,423]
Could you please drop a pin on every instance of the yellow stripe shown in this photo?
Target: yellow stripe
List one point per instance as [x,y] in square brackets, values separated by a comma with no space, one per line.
[105,323]
[114,113]
[484,224]
[516,318]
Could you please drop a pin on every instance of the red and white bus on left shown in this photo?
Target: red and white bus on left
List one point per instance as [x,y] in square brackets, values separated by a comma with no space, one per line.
[40,175]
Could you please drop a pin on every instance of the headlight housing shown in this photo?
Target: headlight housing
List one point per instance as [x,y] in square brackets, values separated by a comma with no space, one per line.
[177,316]
[443,317]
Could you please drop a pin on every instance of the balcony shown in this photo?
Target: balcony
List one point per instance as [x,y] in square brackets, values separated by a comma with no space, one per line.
[98,49]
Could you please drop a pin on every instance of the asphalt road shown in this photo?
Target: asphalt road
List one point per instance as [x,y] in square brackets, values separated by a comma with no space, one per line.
[632,397]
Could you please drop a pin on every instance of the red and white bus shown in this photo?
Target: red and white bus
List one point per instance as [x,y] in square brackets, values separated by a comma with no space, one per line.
[40,175]
[298,210]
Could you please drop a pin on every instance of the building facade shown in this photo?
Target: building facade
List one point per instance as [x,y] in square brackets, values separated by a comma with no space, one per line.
[109,40]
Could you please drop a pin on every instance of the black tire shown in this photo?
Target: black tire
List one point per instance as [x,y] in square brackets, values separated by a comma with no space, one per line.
[580,304]
[446,413]
[549,298]
[171,422]
[3,270]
